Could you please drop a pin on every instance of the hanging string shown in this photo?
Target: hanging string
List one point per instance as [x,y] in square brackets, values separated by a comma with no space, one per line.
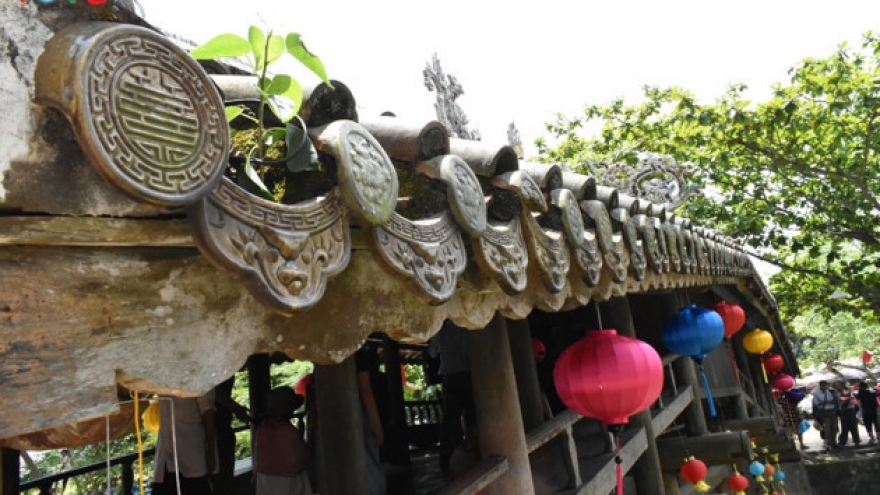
[764,370]
[619,461]
[708,390]
[733,365]
[598,314]
[107,438]
[140,441]
[174,443]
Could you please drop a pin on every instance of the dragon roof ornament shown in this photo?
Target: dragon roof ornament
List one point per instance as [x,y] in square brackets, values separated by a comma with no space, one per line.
[658,178]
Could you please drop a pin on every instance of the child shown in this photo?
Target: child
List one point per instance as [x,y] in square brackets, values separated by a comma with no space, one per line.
[280,454]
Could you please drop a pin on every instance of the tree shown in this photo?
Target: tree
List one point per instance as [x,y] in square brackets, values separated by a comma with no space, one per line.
[794,179]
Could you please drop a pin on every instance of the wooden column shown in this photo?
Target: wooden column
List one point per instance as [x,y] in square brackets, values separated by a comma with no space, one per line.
[501,433]
[258,388]
[10,477]
[395,438]
[686,374]
[342,463]
[646,471]
[526,372]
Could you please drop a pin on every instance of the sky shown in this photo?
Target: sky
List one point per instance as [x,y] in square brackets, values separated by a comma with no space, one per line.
[525,62]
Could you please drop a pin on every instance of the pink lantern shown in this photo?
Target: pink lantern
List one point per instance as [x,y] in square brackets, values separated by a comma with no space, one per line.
[773,362]
[782,382]
[733,316]
[303,384]
[539,349]
[609,377]
[867,357]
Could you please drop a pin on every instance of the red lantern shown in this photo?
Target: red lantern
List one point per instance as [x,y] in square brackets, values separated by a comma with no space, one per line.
[733,316]
[695,471]
[738,483]
[773,362]
[782,382]
[609,377]
[302,385]
[867,357]
[539,349]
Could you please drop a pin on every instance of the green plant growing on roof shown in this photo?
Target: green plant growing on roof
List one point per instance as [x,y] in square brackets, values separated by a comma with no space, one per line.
[282,94]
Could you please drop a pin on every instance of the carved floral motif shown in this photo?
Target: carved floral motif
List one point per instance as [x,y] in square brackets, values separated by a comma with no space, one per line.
[550,253]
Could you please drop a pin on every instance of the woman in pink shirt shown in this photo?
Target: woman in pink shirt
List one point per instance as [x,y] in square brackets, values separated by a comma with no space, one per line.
[280,454]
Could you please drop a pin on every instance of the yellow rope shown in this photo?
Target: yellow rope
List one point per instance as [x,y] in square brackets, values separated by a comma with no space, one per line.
[140,442]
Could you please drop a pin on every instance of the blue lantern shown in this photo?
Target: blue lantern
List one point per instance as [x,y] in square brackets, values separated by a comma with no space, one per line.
[694,332]
[756,469]
[779,476]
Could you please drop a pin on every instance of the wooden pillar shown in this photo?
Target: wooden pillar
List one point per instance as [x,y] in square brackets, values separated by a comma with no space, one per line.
[501,433]
[395,437]
[342,463]
[258,388]
[686,374]
[526,371]
[10,476]
[646,471]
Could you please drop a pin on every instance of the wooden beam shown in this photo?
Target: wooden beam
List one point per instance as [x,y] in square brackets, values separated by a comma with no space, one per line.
[672,410]
[94,231]
[539,436]
[477,478]
[713,449]
[603,479]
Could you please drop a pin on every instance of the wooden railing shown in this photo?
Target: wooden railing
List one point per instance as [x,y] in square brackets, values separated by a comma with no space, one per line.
[45,483]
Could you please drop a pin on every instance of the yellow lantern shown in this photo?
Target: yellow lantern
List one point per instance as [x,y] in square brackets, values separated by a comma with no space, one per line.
[758,342]
[151,417]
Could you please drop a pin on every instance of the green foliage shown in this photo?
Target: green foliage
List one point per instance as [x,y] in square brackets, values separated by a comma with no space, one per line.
[830,339]
[795,178]
[264,50]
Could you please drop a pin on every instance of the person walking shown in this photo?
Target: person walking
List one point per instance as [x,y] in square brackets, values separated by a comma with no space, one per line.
[849,421]
[825,405]
[867,398]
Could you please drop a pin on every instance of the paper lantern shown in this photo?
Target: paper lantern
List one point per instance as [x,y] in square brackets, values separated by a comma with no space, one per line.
[695,471]
[694,332]
[733,316]
[303,384]
[758,341]
[151,417]
[772,362]
[795,395]
[738,483]
[539,349]
[609,377]
[782,382]
[769,470]
[779,476]
[756,469]
[867,356]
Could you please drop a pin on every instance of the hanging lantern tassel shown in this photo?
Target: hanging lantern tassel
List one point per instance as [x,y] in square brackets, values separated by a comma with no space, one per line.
[616,430]
[708,390]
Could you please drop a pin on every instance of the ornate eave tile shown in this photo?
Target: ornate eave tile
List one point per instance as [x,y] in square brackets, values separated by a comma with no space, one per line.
[637,261]
[283,254]
[145,113]
[430,254]
[462,190]
[367,179]
[610,244]
[571,215]
[502,254]
[656,225]
[689,251]
[588,258]
[549,253]
[526,189]
[650,244]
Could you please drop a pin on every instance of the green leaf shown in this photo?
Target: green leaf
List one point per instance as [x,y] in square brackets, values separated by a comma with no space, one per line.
[254,183]
[275,49]
[307,157]
[286,87]
[296,48]
[274,134]
[257,42]
[233,111]
[225,45]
